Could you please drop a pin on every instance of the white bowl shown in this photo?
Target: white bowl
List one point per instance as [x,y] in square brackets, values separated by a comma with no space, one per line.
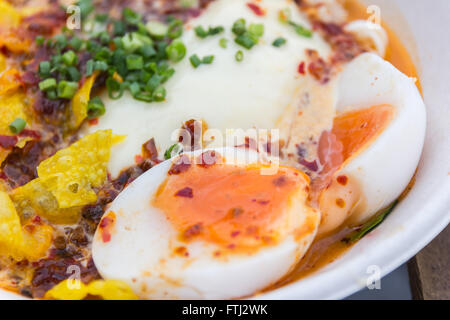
[426,210]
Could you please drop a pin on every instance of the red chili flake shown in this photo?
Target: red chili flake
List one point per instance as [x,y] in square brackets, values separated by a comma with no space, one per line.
[231,246]
[249,144]
[185,192]
[342,180]
[30,78]
[30,228]
[105,226]
[301,67]
[256,9]
[180,165]
[263,202]
[236,212]
[36,220]
[8,142]
[207,159]
[138,158]
[235,234]
[193,231]
[149,150]
[93,122]
[310,165]
[30,134]
[252,230]
[280,181]
[191,134]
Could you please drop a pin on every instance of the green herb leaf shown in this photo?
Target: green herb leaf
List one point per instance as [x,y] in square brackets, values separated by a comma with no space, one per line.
[172,151]
[372,224]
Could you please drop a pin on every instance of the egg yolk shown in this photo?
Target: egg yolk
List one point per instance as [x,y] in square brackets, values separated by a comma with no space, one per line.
[339,197]
[232,206]
[351,132]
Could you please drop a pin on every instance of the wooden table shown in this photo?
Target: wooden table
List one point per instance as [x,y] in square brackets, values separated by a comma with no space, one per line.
[429,270]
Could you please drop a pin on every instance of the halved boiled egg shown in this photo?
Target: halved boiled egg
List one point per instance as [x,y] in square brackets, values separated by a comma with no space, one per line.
[373,149]
[199,225]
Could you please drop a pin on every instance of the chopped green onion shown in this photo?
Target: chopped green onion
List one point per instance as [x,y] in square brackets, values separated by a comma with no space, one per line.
[147,51]
[159,94]
[144,96]
[118,28]
[101,17]
[195,61]
[239,27]
[89,67]
[134,88]
[279,42]
[130,16]
[200,32]
[40,40]
[172,151]
[75,43]
[104,54]
[245,41]
[104,37]
[100,65]
[208,59]
[176,50]
[257,30]
[157,29]
[70,58]
[17,125]
[239,56]
[115,89]
[47,84]
[301,30]
[95,108]
[60,41]
[67,89]
[44,68]
[223,43]
[133,41]
[134,62]
[175,28]
[86,7]
[215,30]
[51,94]
[153,82]
[74,74]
